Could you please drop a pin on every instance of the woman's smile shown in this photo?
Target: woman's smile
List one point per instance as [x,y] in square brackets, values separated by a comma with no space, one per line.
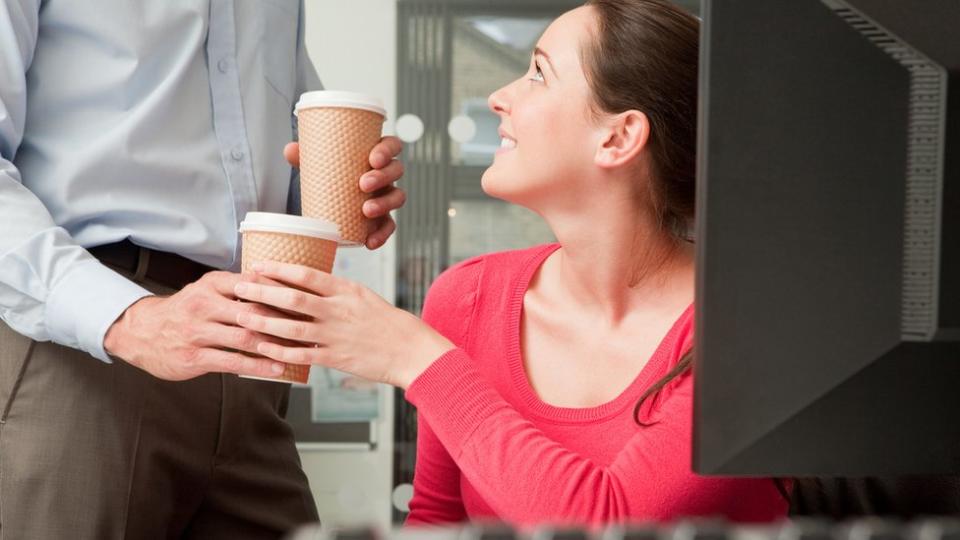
[507,143]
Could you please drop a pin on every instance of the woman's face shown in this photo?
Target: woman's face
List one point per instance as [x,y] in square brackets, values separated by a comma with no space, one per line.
[548,135]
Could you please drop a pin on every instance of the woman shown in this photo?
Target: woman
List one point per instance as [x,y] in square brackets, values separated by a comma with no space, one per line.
[555,387]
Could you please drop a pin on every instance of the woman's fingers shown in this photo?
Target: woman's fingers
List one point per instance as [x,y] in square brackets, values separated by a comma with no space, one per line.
[295,355]
[224,282]
[285,298]
[235,338]
[226,311]
[302,277]
[301,331]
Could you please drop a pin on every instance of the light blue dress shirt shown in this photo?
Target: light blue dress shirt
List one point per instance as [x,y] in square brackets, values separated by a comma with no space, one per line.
[158,121]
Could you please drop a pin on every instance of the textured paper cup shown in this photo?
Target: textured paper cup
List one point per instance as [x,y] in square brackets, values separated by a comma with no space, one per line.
[337,131]
[289,239]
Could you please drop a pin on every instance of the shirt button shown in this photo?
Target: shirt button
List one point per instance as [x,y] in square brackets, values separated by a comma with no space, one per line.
[236,154]
[223,65]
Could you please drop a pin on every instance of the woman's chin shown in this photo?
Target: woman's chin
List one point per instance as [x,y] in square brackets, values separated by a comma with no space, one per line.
[493,186]
[509,188]
[488,182]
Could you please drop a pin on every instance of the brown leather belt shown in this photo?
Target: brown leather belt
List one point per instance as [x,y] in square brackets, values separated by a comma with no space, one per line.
[160,266]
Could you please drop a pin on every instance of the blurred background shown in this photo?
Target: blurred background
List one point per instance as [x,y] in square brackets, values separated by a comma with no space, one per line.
[434,62]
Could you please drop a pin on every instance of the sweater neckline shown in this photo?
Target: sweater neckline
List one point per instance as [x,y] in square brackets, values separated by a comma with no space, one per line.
[656,366]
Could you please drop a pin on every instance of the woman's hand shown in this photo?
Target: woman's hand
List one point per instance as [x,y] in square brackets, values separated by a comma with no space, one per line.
[353,329]
[387,169]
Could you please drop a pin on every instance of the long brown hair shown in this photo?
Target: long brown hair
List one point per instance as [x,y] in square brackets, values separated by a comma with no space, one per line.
[644,57]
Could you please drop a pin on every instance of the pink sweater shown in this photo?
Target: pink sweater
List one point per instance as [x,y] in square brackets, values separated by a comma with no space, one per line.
[490,449]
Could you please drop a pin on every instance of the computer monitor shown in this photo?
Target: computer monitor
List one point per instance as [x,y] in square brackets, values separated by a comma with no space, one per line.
[828,234]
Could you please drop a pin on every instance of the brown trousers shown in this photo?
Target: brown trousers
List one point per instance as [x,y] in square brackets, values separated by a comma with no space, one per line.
[103,451]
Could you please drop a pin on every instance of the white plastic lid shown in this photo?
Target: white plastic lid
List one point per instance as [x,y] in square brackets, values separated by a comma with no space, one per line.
[287,224]
[336,98]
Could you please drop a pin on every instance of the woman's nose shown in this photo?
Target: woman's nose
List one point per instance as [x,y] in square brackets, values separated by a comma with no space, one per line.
[498,100]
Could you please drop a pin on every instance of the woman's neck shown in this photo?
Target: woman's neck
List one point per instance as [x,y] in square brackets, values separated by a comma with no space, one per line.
[617,262]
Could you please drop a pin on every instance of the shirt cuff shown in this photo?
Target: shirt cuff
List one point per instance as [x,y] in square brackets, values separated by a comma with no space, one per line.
[454,398]
[85,303]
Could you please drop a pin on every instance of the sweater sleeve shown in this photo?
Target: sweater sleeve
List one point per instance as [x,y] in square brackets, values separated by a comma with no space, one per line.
[448,308]
[436,482]
[527,478]
[450,302]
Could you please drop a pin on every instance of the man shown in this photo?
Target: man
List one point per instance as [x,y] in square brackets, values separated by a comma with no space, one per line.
[134,136]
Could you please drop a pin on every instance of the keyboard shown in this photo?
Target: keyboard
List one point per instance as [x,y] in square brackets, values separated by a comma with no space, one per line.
[796,529]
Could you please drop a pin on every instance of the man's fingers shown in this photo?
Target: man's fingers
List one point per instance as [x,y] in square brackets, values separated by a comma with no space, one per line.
[384,151]
[222,282]
[391,199]
[385,227]
[292,154]
[216,361]
[381,178]
[222,336]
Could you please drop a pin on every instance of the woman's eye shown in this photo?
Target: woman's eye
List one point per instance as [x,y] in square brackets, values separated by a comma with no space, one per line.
[538,75]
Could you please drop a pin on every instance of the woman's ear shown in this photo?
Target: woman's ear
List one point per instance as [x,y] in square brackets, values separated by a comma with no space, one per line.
[626,135]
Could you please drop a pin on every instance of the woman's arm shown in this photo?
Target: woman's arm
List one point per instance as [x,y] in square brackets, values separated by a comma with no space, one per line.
[448,309]
[436,483]
[528,478]
[521,473]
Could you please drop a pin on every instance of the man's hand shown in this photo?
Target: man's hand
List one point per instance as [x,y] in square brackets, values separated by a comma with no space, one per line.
[191,333]
[386,196]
